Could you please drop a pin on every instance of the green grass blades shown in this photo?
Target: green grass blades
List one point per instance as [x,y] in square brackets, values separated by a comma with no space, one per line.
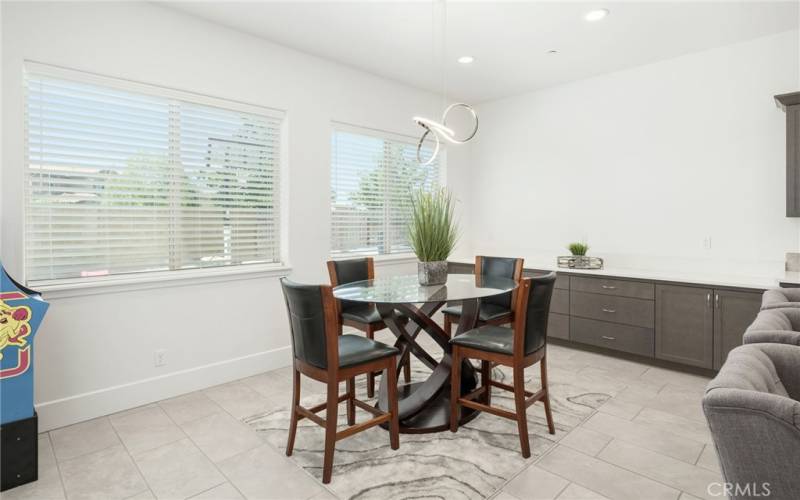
[433,231]
[578,248]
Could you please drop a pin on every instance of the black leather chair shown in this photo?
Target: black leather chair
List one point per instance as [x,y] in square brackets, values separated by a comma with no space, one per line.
[496,310]
[359,315]
[519,347]
[322,353]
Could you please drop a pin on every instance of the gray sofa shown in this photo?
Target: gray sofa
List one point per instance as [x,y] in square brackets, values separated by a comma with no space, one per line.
[781,326]
[753,411]
[780,297]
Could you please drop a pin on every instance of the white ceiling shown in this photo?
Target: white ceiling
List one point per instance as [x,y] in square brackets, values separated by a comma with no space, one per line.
[509,40]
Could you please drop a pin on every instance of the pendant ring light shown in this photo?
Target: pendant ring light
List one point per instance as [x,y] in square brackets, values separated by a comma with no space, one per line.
[440,130]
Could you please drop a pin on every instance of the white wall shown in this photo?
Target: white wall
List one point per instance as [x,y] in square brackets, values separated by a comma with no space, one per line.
[95,350]
[644,164]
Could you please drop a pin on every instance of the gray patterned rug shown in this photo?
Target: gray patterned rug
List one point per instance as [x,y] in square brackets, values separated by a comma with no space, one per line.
[473,463]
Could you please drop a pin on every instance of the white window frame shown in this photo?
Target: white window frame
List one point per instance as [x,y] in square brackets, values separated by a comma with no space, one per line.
[382,134]
[135,281]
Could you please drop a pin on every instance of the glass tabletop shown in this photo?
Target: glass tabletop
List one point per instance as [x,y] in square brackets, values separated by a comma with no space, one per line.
[407,290]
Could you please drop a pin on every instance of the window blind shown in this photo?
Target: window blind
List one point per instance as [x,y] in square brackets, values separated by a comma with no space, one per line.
[372,178]
[124,181]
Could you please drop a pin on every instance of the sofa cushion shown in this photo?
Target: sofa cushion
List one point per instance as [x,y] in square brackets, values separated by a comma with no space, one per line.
[780,297]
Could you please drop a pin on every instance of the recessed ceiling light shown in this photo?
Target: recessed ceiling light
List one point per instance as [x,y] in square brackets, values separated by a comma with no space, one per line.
[466,59]
[596,15]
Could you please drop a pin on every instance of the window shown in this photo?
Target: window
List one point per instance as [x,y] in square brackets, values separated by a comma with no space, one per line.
[372,177]
[128,178]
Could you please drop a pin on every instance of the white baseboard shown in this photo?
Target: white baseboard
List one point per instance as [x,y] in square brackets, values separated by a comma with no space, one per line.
[73,409]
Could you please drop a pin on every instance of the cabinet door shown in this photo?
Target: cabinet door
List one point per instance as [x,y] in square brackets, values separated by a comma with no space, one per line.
[685,325]
[734,311]
[558,326]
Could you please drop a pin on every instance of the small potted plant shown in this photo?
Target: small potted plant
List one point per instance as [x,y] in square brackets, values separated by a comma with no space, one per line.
[579,259]
[578,249]
[432,233]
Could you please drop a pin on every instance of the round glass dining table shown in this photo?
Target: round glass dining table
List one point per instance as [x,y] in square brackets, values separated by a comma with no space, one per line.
[424,406]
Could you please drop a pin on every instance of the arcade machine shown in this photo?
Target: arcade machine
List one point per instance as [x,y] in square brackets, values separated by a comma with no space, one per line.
[21,313]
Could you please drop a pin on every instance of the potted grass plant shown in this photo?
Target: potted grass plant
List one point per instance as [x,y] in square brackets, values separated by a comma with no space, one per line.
[578,249]
[579,259]
[432,233]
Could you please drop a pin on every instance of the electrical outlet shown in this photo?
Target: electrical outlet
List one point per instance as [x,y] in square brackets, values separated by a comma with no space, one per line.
[707,242]
[160,357]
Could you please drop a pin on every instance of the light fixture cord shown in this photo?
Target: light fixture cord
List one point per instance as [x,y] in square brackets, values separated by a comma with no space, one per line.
[443,54]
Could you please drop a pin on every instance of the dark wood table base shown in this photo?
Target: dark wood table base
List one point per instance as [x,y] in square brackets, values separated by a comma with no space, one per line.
[435,417]
[424,407]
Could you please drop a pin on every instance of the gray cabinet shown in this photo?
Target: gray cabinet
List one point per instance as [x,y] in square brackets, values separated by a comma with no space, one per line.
[733,313]
[685,325]
[690,324]
[790,103]
[558,326]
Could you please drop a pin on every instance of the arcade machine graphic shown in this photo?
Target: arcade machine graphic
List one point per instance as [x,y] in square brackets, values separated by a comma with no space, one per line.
[21,313]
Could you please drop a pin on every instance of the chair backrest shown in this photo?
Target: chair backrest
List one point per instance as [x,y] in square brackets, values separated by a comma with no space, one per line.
[312,322]
[501,267]
[531,313]
[350,271]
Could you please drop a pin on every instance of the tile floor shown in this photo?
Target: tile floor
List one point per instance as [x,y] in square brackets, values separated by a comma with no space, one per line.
[649,441]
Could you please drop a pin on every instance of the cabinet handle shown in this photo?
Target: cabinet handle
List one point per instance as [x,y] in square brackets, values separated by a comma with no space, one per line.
[609,310]
[708,299]
[606,337]
[608,287]
[716,300]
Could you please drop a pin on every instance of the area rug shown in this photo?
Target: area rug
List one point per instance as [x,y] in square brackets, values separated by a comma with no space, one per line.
[471,464]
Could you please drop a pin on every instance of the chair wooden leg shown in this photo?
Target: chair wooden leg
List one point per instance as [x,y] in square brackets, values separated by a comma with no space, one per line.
[448,326]
[407,370]
[486,377]
[549,414]
[351,405]
[391,382]
[519,403]
[295,403]
[331,416]
[455,389]
[370,375]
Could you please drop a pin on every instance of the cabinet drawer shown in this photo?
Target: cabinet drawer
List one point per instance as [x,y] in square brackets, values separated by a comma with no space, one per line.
[635,289]
[558,326]
[636,312]
[625,338]
[560,302]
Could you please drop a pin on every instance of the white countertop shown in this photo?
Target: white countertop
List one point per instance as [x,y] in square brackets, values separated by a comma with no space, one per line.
[693,277]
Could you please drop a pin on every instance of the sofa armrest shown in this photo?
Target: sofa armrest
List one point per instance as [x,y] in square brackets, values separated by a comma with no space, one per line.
[752,336]
[780,408]
[757,439]
[780,297]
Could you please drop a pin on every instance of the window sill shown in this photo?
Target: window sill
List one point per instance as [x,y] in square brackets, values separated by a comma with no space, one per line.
[147,281]
[381,259]
[402,257]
